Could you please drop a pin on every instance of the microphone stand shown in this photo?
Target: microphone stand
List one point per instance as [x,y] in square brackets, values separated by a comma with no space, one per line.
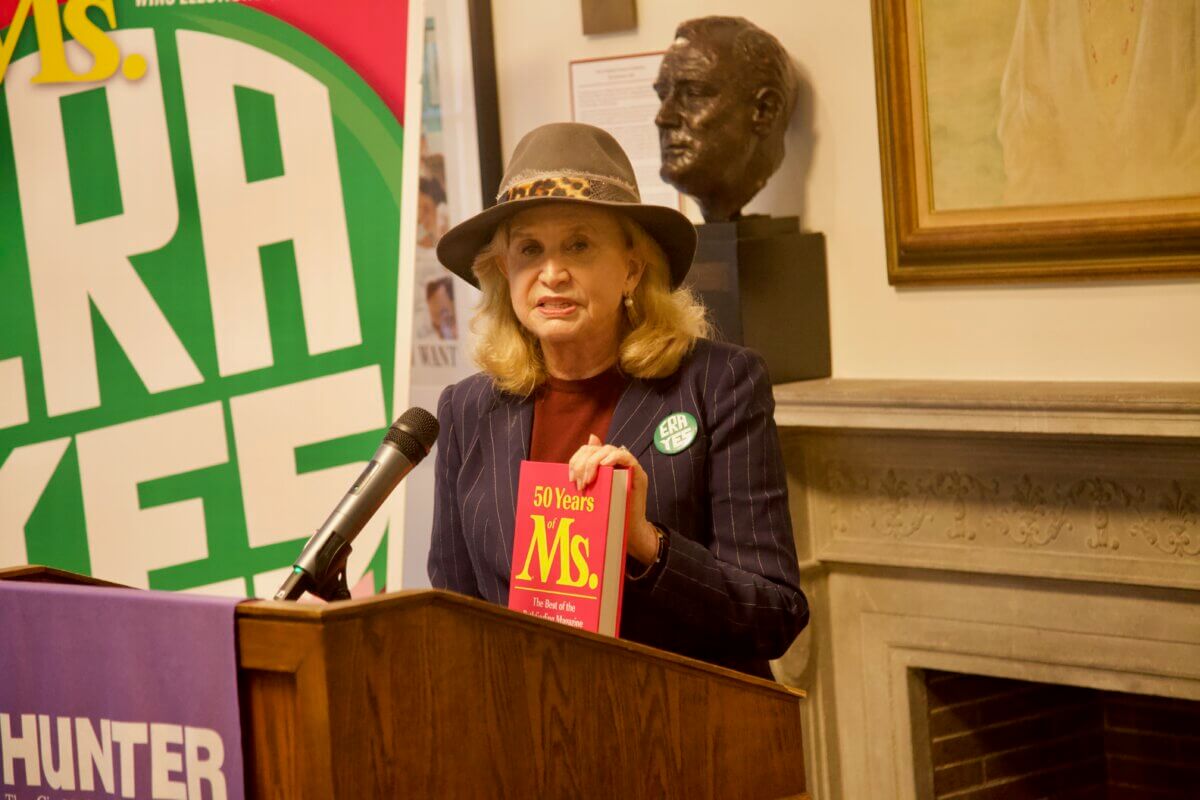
[321,567]
[328,577]
[334,587]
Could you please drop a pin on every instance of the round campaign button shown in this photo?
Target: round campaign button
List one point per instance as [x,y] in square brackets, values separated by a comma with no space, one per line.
[675,433]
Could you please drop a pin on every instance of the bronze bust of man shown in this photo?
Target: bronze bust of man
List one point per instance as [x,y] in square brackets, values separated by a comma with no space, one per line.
[728,89]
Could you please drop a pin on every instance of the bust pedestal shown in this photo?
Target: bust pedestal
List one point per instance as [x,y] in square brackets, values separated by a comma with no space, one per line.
[764,284]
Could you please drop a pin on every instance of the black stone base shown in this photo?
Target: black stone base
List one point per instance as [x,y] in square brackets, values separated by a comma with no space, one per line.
[765,286]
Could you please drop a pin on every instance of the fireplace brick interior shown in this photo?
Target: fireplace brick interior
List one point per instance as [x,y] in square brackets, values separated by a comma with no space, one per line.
[1001,739]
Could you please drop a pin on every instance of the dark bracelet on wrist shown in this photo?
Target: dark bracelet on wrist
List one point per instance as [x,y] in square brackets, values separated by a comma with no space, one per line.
[658,555]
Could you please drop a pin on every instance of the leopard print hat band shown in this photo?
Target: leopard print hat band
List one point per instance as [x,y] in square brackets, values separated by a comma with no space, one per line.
[574,163]
[578,185]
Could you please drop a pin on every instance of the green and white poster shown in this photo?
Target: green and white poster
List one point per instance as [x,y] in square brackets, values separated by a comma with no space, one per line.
[205,314]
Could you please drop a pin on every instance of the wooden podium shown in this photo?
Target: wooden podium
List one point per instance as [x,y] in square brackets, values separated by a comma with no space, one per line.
[431,694]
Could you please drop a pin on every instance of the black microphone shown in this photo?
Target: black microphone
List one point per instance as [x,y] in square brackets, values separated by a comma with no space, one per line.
[320,569]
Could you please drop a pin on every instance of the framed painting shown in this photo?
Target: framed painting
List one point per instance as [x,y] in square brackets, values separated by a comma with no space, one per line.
[1024,140]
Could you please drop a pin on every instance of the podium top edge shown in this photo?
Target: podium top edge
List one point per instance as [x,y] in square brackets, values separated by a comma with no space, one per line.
[391,602]
[36,573]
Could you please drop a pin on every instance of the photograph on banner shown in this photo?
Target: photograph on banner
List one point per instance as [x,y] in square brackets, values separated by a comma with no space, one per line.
[203,341]
[435,316]
[457,70]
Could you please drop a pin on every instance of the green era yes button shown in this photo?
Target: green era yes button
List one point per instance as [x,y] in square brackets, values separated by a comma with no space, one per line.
[675,433]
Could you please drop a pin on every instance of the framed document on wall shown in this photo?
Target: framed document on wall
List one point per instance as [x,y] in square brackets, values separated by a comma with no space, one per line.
[617,94]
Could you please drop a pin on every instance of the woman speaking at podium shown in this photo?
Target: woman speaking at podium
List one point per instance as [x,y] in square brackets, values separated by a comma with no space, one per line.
[587,346]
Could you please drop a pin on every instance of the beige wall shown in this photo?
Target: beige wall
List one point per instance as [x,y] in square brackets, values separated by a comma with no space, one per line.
[1116,331]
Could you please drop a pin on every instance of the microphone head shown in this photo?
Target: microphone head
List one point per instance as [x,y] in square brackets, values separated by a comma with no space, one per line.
[414,433]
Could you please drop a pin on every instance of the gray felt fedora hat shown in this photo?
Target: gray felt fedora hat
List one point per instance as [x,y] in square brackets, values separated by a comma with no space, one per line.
[569,162]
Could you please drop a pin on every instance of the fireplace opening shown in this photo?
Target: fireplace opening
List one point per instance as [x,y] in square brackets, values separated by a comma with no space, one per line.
[984,738]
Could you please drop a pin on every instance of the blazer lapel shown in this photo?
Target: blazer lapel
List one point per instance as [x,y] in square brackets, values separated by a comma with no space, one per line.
[505,444]
[633,420]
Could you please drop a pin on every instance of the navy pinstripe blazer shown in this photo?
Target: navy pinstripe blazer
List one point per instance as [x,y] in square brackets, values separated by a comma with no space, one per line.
[728,589]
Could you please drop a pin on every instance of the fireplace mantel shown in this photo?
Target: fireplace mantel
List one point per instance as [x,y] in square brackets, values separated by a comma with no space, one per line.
[1030,530]
[1033,407]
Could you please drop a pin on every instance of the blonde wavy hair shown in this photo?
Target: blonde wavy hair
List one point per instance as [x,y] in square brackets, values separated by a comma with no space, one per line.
[659,330]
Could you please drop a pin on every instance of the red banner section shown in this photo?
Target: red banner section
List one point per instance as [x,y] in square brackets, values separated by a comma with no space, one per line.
[366,35]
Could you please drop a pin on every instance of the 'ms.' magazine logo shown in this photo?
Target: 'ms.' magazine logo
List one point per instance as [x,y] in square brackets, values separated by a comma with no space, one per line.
[103,51]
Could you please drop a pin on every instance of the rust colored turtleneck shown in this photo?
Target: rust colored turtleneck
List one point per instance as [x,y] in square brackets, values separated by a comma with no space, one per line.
[565,412]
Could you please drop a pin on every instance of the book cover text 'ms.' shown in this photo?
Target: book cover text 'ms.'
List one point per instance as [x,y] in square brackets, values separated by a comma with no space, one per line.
[569,547]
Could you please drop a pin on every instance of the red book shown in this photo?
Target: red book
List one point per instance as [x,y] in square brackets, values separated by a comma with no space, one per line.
[569,547]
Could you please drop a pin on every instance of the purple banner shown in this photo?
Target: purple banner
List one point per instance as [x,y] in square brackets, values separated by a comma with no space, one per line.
[117,693]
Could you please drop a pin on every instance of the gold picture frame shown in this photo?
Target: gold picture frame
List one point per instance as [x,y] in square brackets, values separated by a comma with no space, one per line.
[952,215]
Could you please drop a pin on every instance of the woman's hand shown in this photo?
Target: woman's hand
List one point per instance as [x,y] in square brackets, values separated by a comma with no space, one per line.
[642,539]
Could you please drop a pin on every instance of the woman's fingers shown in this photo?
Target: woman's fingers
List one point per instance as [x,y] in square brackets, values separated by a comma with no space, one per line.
[577,466]
[587,460]
[591,465]
[585,469]
[574,465]
[618,455]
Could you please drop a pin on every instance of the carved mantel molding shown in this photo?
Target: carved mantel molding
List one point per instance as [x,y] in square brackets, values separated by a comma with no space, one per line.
[1093,482]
